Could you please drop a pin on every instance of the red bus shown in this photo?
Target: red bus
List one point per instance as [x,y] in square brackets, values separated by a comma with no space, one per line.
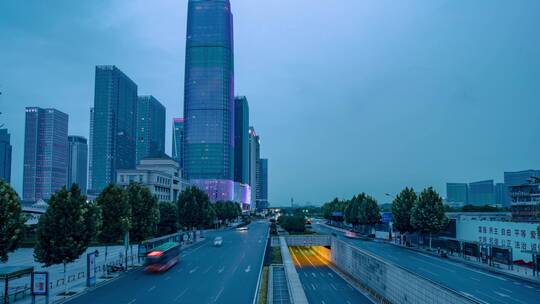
[162,257]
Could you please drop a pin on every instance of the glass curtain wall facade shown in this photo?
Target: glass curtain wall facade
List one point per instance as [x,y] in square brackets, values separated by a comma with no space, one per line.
[457,193]
[150,128]
[115,122]
[77,162]
[254,156]
[482,193]
[178,140]
[5,155]
[209,95]
[241,141]
[90,145]
[45,153]
[262,203]
[517,178]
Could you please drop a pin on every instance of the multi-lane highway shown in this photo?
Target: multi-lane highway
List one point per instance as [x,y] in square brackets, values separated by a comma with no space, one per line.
[321,284]
[483,286]
[205,274]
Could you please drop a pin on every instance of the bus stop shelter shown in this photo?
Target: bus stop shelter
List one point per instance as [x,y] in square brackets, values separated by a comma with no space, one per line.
[13,272]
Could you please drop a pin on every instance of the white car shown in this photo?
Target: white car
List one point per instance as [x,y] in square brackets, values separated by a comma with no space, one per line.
[218,241]
[243,228]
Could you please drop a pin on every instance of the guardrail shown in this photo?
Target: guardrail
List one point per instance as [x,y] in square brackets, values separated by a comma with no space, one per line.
[308,240]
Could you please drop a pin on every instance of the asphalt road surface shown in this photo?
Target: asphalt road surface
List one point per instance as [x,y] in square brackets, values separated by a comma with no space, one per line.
[483,286]
[321,284]
[205,274]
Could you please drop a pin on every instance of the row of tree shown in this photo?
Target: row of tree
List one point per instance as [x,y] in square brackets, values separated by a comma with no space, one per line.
[361,210]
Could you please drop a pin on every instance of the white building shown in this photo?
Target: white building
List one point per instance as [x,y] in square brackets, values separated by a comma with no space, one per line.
[162,176]
[494,230]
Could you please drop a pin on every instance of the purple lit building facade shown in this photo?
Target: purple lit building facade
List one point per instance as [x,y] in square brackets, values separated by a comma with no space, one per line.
[208,155]
[45,153]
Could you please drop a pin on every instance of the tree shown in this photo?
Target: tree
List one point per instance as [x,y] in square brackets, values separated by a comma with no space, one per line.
[194,208]
[368,211]
[144,212]
[292,223]
[401,210]
[352,211]
[11,220]
[168,218]
[62,233]
[115,215]
[427,214]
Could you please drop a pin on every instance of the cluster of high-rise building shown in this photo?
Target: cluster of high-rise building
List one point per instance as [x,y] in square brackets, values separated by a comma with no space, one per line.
[213,145]
[520,191]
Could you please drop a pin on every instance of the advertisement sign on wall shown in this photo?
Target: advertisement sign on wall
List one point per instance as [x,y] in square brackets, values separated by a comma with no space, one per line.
[40,283]
[91,269]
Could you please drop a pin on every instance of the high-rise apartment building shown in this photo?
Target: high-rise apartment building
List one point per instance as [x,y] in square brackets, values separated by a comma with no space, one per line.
[5,155]
[209,98]
[114,129]
[150,128]
[178,140]
[45,153]
[77,162]
[241,140]
[90,145]
[254,158]
[262,185]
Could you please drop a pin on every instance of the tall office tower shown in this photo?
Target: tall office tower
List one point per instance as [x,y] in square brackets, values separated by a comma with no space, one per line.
[209,98]
[5,155]
[457,193]
[482,193]
[241,140]
[254,156]
[262,185]
[115,121]
[517,178]
[178,140]
[90,145]
[150,128]
[500,194]
[77,162]
[45,153]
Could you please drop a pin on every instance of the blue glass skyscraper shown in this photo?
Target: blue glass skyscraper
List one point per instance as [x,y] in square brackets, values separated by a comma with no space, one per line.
[178,140]
[150,128]
[45,153]
[209,97]
[5,155]
[114,125]
[241,140]
[77,162]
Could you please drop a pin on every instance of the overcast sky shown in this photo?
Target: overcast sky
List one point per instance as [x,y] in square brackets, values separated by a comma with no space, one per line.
[348,96]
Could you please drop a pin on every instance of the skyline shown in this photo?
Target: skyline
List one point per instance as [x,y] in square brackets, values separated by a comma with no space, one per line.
[462,144]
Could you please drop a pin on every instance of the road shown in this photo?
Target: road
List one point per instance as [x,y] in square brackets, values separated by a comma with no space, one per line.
[483,286]
[321,284]
[205,274]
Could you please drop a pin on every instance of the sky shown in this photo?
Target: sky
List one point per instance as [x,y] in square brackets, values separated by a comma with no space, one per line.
[348,96]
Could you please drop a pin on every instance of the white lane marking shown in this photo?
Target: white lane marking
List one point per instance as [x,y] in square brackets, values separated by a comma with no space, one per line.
[487,274]
[221,269]
[528,286]
[505,289]
[132,301]
[497,299]
[475,279]
[501,294]
[348,302]
[219,294]
[208,269]
[235,268]
[313,274]
[193,270]
[331,275]
[433,264]
[473,297]
[333,286]
[151,288]
[167,278]
[180,295]
[323,302]
[312,286]
[430,272]
[248,269]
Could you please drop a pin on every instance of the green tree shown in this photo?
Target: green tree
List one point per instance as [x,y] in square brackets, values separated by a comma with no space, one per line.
[115,215]
[168,218]
[194,208]
[368,211]
[62,232]
[11,220]
[144,212]
[292,223]
[427,214]
[352,211]
[401,210]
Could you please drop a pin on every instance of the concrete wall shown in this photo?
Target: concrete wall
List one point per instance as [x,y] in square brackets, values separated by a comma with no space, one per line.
[308,240]
[391,282]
